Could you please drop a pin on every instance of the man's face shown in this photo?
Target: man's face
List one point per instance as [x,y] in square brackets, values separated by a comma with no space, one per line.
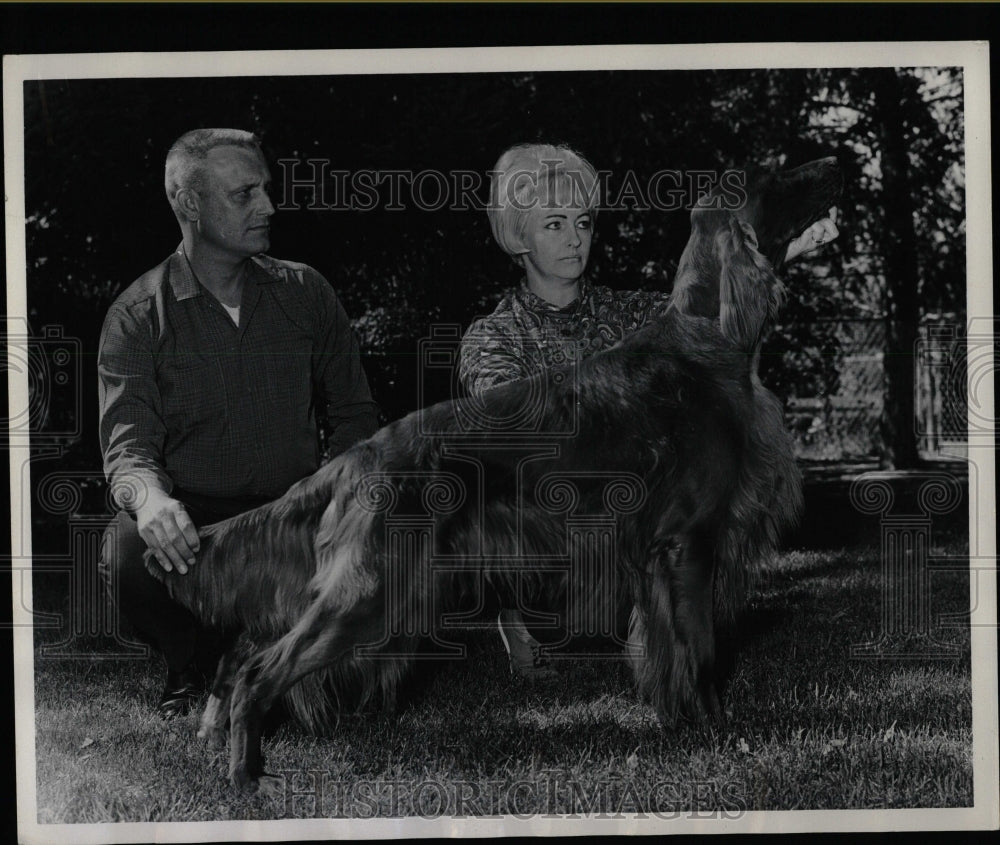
[234,204]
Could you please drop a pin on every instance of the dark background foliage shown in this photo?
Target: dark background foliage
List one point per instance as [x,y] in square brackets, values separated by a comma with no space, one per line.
[97,217]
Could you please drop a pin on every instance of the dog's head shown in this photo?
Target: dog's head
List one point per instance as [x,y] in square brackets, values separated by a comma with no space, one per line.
[728,267]
[780,205]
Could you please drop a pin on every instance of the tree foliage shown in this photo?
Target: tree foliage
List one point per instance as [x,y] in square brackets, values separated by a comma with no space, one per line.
[97,218]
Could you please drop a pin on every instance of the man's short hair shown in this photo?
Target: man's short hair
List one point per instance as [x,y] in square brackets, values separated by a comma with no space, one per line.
[528,174]
[185,167]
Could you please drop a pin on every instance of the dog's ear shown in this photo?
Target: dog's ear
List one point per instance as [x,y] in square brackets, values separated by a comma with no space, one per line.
[749,292]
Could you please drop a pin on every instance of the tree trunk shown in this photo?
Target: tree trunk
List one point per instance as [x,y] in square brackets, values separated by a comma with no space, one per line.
[899,242]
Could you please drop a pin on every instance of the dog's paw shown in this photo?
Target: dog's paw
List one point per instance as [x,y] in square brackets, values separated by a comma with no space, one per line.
[272,787]
[711,706]
[214,738]
[241,778]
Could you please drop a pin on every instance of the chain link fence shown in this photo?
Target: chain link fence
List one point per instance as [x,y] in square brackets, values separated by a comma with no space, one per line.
[841,423]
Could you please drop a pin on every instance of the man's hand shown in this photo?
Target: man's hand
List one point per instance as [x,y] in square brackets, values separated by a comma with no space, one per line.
[821,232]
[168,531]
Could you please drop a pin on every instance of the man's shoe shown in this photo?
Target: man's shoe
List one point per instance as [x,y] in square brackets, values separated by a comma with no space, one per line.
[181,691]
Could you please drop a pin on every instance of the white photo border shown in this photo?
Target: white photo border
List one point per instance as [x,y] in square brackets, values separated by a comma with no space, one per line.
[972,57]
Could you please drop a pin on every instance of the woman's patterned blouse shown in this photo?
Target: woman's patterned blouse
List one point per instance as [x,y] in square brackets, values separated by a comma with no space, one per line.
[527,334]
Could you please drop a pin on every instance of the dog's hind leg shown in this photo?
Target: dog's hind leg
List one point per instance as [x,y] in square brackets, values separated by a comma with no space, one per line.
[326,636]
[212,727]
[311,644]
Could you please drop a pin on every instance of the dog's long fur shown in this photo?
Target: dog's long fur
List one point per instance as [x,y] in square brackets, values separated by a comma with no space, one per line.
[677,406]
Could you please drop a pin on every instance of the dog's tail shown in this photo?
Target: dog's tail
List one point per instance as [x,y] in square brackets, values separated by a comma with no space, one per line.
[259,571]
[347,644]
[251,571]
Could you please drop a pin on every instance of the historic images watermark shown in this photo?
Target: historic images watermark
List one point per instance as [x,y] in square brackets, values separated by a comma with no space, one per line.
[314,184]
[314,793]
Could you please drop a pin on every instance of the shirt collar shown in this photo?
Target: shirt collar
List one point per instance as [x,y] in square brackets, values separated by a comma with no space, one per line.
[186,285]
[182,279]
[534,302]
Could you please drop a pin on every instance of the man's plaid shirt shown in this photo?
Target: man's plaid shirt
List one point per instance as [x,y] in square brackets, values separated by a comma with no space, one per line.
[188,399]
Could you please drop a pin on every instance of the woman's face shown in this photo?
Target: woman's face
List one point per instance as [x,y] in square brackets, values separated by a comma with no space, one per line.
[557,237]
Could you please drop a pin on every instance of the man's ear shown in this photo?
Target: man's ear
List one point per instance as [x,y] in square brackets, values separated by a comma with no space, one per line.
[189,204]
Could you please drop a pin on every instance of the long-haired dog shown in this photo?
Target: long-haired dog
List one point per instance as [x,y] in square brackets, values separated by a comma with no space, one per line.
[668,440]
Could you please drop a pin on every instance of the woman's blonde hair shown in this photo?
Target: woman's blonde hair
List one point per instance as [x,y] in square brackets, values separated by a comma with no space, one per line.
[527,174]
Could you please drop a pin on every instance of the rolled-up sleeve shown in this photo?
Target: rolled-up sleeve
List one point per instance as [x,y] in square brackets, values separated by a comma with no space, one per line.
[338,373]
[491,354]
[132,430]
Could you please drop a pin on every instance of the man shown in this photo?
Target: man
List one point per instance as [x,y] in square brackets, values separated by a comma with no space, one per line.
[214,367]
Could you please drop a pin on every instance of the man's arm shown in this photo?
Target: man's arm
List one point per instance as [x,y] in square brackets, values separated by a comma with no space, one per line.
[339,376]
[132,433]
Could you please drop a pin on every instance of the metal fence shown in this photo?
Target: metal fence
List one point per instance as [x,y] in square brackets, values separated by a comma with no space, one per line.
[842,421]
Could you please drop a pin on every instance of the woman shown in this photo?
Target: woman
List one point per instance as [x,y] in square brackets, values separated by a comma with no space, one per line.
[543,204]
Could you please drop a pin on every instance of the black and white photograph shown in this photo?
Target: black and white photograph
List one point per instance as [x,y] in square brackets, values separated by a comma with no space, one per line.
[510,441]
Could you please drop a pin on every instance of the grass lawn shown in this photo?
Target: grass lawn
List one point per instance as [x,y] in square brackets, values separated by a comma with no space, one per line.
[809,727]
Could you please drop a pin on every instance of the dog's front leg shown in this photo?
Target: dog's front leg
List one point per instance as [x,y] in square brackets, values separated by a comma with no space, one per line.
[677,673]
[692,575]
